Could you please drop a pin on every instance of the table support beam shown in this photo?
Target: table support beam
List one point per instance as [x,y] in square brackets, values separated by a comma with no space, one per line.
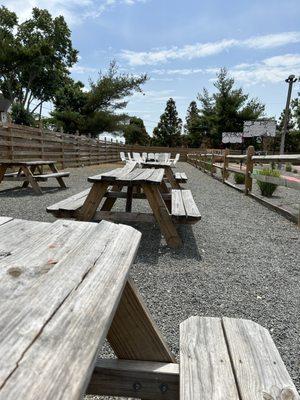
[142,379]
[133,334]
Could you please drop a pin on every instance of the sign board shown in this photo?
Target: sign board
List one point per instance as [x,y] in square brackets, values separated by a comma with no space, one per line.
[232,137]
[259,128]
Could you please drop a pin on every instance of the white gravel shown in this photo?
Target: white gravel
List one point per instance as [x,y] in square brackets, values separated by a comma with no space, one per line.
[241,260]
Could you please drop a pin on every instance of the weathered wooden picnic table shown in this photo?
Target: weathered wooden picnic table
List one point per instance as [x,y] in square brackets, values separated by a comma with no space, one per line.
[65,287]
[168,208]
[27,173]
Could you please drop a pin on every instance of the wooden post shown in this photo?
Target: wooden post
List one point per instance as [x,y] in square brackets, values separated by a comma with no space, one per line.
[249,169]
[41,140]
[225,166]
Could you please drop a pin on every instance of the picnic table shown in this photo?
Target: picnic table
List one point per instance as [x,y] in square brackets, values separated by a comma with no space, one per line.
[167,208]
[65,287]
[27,173]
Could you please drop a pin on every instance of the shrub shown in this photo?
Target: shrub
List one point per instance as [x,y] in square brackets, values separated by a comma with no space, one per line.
[239,178]
[288,167]
[266,188]
[295,171]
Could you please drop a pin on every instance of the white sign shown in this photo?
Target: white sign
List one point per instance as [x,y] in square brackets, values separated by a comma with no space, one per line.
[232,137]
[259,128]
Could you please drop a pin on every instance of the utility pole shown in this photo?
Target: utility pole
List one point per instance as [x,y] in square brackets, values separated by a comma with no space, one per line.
[290,80]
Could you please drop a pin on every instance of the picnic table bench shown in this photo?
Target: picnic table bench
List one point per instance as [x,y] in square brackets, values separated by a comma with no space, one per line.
[65,287]
[168,208]
[27,173]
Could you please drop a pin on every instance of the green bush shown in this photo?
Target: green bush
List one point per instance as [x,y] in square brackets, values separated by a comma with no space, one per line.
[239,178]
[267,189]
[288,167]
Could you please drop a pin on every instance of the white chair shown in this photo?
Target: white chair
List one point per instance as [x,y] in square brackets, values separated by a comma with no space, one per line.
[174,160]
[161,157]
[151,157]
[144,156]
[122,156]
[129,157]
[137,157]
[168,157]
[156,156]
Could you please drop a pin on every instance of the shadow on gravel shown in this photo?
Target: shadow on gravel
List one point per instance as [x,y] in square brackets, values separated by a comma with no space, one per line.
[153,245]
[24,192]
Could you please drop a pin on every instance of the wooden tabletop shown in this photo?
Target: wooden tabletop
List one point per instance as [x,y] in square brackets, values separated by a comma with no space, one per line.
[60,286]
[27,163]
[135,176]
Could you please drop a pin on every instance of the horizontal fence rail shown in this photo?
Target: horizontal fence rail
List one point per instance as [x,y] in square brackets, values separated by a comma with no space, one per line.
[210,162]
[18,142]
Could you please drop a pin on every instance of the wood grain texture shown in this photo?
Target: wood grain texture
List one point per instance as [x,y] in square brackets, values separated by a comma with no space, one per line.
[50,339]
[4,220]
[92,201]
[205,368]
[258,367]
[184,206]
[162,215]
[142,379]
[133,334]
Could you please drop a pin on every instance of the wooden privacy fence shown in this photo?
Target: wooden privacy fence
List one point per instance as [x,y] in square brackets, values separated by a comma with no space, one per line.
[18,142]
[210,162]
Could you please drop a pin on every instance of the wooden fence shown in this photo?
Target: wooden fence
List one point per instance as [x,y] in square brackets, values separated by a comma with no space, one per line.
[18,142]
[226,163]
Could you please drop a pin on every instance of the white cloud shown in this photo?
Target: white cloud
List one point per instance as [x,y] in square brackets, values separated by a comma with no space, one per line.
[74,11]
[80,69]
[199,50]
[270,70]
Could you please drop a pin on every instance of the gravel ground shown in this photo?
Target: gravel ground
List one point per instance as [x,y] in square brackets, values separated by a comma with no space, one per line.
[241,260]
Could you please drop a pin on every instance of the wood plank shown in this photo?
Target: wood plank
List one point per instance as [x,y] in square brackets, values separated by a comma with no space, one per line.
[124,217]
[133,334]
[31,180]
[178,209]
[156,176]
[190,206]
[143,379]
[115,173]
[71,203]
[171,178]
[205,368]
[76,304]
[4,220]
[258,367]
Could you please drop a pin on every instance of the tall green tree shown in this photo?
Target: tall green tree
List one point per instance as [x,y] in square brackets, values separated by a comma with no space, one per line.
[193,126]
[226,109]
[35,57]
[99,108]
[168,130]
[135,132]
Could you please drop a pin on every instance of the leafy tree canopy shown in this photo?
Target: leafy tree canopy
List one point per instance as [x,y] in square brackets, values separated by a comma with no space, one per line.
[168,130]
[226,109]
[35,57]
[135,132]
[97,109]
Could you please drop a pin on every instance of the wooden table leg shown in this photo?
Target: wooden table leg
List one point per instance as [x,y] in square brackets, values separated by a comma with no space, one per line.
[92,201]
[133,334]
[162,215]
[3,169]
[26,183]
[128,207]
[109,202]
[170,176]
[30,178]
[59,179]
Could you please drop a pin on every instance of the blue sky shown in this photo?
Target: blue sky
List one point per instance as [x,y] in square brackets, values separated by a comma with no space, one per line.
[181,45]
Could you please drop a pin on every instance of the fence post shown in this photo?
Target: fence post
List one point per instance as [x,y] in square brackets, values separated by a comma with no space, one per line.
[225,166]
[62,148]
[249,170]
[41,140]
